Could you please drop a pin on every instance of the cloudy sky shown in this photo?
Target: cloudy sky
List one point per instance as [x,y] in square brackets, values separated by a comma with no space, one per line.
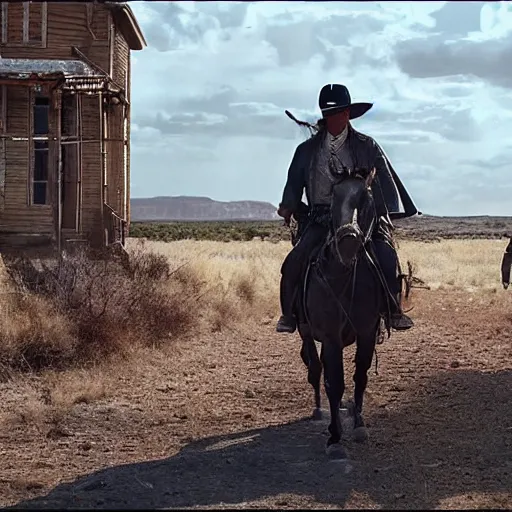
[209,95]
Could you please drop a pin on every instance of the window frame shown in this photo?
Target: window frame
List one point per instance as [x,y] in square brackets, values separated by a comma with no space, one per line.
[35,151]
[34,139]
[70,142]
[26,42]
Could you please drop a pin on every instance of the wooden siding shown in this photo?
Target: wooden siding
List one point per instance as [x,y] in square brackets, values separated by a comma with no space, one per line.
[120,59]
[3,114]
[67,26]
[36,19]
[15,23]
[17,122]
[18,215]
[101,20]
[17,158]
[115,159]
[2,173]
[91,166]
[127,142]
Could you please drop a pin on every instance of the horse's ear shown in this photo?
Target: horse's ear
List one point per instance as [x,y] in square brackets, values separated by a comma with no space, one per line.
[371,176]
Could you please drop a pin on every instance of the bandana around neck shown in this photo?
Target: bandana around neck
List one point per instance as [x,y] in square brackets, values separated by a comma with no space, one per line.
[335,142]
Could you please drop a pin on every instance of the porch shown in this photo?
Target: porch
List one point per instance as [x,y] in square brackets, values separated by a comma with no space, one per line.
[63,155]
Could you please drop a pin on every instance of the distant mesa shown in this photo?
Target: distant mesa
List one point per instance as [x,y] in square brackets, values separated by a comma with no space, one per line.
[188,208]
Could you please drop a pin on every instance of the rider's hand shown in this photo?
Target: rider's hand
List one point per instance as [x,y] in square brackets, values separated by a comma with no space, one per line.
[285,213]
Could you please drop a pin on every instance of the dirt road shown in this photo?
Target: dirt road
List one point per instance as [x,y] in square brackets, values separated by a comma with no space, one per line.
[223,420]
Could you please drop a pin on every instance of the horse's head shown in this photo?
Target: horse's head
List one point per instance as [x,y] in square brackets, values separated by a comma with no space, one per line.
[353,213]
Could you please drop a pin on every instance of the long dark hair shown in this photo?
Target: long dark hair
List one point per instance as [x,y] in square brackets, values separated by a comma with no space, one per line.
[314,129]
[317,134]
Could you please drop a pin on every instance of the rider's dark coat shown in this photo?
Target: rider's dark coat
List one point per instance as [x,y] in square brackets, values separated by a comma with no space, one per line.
[366,153]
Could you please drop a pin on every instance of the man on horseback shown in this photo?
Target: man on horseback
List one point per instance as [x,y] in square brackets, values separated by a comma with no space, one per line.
[316,161]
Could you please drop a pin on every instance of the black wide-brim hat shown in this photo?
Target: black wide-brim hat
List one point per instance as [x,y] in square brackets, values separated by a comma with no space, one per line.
[334,98]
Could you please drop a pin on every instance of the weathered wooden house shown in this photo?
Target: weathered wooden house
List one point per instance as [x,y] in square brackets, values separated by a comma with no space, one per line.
[65,122]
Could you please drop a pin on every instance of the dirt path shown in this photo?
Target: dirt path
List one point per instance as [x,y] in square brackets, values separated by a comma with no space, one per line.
[223,420]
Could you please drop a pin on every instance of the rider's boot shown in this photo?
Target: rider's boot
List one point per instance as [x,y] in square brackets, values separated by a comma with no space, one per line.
[287,322]
[399,320]
[389,264]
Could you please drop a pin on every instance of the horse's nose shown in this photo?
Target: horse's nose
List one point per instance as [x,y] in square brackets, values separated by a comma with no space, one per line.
[349,246]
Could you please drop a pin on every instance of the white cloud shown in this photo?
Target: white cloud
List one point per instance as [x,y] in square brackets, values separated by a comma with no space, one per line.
[209,94]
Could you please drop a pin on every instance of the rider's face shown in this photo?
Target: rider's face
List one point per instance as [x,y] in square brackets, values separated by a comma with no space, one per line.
[337,122]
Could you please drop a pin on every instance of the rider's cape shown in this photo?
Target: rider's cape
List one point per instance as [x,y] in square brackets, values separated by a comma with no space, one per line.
[367,153]
[409,208]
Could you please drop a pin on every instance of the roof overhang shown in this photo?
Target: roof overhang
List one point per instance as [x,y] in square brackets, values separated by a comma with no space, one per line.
[44,68]
[73,75]
[127,23]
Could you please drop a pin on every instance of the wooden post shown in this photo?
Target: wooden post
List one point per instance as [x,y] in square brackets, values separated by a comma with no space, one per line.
[106,147]
[58,128]
[102,149]
[104,168]
[125,164]
[79,129]
[128,145]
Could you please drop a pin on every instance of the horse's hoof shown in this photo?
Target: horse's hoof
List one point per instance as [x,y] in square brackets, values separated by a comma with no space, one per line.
[336,453]
[317,414]
[361,434]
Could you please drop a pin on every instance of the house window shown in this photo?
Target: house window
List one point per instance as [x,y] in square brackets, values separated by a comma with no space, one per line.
[69,116]
[41,110]
[23,23]
[41,115]
[40,181]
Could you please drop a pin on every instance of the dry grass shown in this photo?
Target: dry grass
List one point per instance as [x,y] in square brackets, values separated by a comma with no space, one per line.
[456,264]
[250,271]
[44,403]
[84,309]
[239,280]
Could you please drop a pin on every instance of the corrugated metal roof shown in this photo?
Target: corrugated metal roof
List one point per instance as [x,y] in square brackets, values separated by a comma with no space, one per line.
[46,67]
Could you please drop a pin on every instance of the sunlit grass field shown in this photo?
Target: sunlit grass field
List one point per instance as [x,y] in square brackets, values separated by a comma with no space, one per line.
[461,264]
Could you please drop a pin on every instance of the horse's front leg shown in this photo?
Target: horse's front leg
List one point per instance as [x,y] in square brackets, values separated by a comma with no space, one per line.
[334,386]
[309,355]
[364,355]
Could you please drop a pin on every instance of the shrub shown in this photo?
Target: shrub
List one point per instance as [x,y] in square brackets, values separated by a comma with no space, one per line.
[88,305]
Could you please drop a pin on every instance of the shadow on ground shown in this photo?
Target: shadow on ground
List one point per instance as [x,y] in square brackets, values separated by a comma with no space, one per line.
[448,437]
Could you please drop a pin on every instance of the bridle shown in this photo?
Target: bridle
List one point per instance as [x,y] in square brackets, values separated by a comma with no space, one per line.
[336,234]
[334,239]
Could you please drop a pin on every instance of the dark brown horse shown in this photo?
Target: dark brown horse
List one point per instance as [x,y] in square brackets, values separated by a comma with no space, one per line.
[342,302]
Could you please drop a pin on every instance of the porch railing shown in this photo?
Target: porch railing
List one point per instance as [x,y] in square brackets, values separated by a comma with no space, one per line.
[114,226]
